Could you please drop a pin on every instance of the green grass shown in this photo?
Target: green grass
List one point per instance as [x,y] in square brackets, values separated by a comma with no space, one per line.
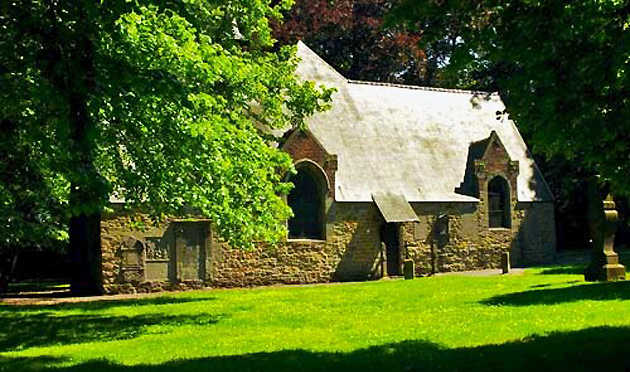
[548,319]
[38,286]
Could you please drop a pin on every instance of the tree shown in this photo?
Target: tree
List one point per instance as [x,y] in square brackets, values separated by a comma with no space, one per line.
[349,35]
[31,218]
[157,102]
[561,67]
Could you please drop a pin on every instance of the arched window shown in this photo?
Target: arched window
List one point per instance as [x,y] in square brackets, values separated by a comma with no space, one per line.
[306,200]
[499,202]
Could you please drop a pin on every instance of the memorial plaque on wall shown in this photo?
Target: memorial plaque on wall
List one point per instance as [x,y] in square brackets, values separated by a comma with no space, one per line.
[131,256]
[191,241]
[470,226]
[158,253]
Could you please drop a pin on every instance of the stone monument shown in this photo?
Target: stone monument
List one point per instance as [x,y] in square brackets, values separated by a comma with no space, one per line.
[505,262]
[604,264]
[408,269]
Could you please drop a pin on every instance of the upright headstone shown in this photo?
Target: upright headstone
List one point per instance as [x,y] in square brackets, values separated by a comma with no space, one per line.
[383,260]
[604,264]
[408,268]
[505,262]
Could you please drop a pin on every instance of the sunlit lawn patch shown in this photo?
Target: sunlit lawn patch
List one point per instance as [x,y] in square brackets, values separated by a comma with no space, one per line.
[547,319]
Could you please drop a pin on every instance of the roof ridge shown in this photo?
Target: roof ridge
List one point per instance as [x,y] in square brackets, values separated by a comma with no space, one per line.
[305,47]
[419,87]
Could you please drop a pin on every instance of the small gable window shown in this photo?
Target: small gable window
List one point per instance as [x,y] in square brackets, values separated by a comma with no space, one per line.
[499,203]
[306,200]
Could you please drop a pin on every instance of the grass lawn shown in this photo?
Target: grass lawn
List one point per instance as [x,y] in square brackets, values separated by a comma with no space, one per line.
[548,319]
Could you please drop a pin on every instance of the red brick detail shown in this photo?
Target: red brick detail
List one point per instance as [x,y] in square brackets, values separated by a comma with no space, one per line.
[496,158]
[303,145]
[496,162]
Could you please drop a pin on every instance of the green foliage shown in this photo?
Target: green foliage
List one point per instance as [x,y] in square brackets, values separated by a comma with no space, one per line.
[160,103]
[547,316]
[31,217]
[561,67]
[349,34]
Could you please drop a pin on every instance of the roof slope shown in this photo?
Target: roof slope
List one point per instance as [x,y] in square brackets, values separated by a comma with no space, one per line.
[409,140]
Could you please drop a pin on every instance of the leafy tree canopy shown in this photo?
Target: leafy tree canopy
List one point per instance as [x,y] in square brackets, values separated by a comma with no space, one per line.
[561,67]
[30,215]
[349,34]
[156,102]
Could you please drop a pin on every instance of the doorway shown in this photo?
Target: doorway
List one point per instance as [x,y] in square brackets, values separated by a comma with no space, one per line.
[391,239]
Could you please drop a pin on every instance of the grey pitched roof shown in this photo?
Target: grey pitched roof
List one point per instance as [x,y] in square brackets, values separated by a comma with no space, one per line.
[408,140]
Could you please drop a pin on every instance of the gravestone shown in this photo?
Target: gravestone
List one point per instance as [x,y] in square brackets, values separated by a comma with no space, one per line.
[180,253]
[191,240]
[158,264]
[130,253]
[383,254]
[408,268]
[505,262]
[604,264]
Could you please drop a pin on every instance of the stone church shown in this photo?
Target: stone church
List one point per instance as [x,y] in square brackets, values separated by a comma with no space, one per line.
[390,173]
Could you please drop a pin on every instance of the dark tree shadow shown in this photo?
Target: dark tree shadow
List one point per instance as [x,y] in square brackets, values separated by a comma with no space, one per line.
[593,349]
[577,269]
[36,325]
[43,329]
[60,293]
[37,286]
[550,296]
[577,264]
[37,289]
[105,303]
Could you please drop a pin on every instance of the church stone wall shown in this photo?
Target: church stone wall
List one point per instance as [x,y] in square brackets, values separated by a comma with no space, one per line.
[130,263]
[348,253]
[536,238]
[139,256]
[449,237]
[468,243]
[457,236]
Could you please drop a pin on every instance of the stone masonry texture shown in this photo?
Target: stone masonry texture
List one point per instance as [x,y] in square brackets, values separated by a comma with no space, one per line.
[185,253]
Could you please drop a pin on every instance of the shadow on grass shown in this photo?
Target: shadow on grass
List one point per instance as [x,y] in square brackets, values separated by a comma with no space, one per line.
[61,293]
[38,286]
[593,349]
[576,269]
[37,325]
[550,296]
[105,303]
[37,289]
[19,331]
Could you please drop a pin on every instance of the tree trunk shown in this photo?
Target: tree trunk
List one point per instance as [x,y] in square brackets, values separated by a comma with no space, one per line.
[87,188]
[86,197]
[7,268]
[69,57]
[86,277]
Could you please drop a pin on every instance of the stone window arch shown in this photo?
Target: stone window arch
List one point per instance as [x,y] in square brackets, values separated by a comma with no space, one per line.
[499,214]
[307,200]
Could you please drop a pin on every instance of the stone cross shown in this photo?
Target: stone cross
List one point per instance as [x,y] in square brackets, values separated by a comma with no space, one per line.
[605,264]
